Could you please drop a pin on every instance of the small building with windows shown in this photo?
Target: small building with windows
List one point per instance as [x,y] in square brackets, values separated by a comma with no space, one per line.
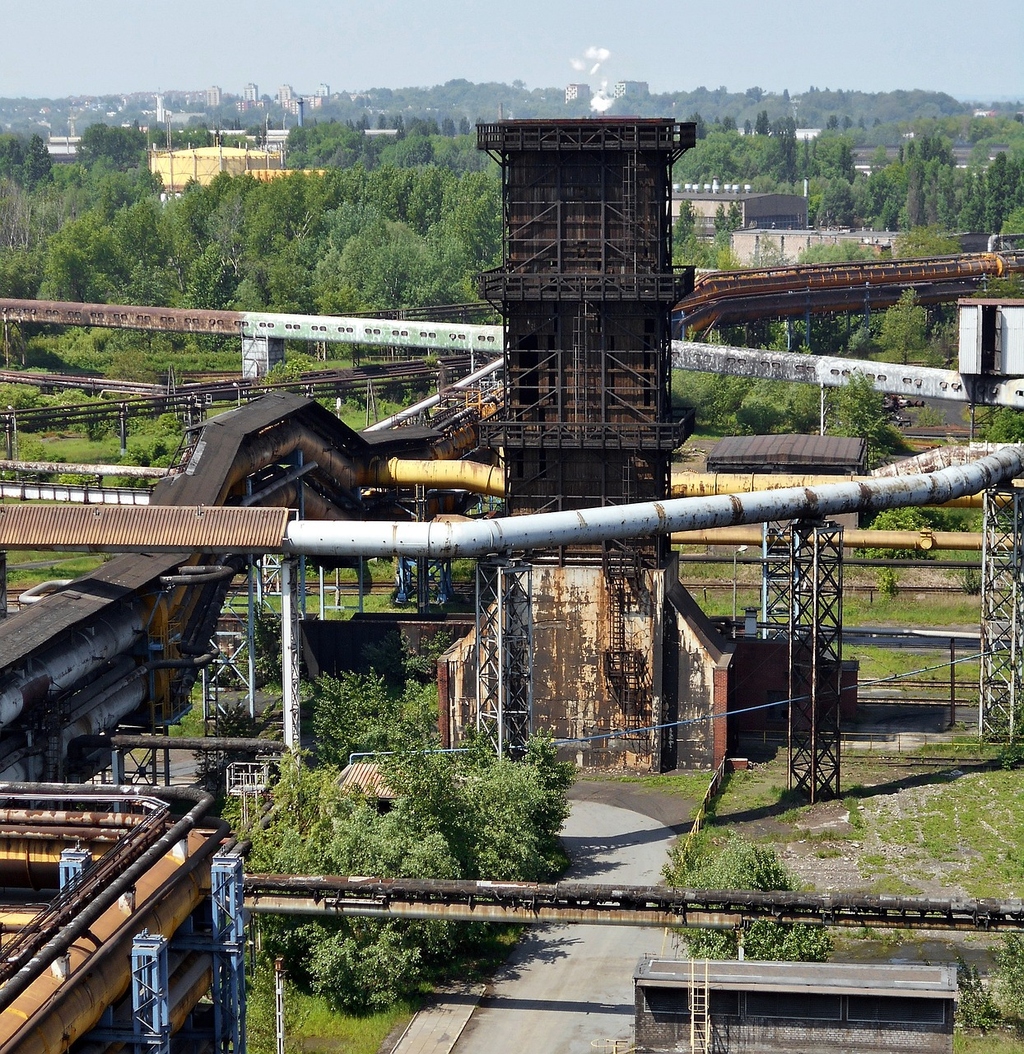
[780,1007]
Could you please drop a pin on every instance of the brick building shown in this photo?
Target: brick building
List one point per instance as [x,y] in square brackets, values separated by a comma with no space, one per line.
[781,1007]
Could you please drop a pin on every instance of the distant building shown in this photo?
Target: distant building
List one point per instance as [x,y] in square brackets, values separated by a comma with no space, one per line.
[63,149]
[770,247]
[806,134]
[324,91]
[161,113]
[782,211]
[624,88]
[577,91]
[251,93]
[213,97]
[287,99]
[769,1007]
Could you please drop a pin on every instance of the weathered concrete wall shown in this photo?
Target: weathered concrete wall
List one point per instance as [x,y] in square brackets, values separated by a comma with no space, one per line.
[572,631]
[702,673]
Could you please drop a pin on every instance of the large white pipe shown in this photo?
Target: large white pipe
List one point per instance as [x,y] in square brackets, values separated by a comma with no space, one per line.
[446,539]
[77,654]
[432,400]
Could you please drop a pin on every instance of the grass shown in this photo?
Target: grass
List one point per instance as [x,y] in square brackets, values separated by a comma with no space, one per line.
[692,785]
[987,1043]
[967,832]
[312,1026]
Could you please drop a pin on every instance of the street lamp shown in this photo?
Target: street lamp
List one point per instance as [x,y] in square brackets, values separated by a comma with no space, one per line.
[740,549]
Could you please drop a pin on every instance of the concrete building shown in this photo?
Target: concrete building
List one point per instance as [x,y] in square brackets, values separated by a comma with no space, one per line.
[779,1007]
[767,247]
[626,88]
[577,91]
[214,97]
[776,211]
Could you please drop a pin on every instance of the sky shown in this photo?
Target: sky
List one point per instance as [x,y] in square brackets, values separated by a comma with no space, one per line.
[973,50]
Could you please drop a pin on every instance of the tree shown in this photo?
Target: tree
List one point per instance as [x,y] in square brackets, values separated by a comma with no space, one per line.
[122,148]
[762,126]
[858,410]
[739,864]
[904,329]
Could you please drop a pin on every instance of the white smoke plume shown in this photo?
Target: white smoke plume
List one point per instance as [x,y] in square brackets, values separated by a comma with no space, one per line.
[595,57]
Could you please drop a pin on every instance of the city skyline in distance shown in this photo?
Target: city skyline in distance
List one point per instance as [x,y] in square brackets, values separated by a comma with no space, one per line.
[973,53]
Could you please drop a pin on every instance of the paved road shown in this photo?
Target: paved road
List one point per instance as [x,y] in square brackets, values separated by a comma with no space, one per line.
[565,987]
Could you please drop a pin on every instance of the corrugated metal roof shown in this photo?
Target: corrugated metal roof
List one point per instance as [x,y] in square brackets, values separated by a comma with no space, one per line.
[886,979]
[365,777]
[790,450]
[149,529]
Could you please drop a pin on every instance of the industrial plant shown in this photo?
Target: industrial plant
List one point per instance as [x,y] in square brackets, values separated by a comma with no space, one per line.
[546,458]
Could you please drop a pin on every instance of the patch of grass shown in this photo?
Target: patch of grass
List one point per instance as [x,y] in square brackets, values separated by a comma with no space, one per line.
[967,831]
[692,785]
[852,805]
[312,1026]
[988,1043]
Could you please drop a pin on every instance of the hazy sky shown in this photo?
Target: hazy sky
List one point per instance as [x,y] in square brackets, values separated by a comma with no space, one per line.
[973,49]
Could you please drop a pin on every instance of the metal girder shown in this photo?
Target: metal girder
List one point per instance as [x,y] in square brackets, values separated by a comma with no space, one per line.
[815,658]
[918,382]
[776,579]
[504,653]
[1002,613]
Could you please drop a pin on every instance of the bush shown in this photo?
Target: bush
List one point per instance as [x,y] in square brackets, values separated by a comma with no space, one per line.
[975,1006]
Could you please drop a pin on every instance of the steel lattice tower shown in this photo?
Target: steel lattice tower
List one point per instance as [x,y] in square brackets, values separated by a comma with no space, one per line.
[815,666]
[1002,613]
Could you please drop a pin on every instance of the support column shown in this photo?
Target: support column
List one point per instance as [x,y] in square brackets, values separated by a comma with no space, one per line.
[815,659]
[73,863]
[260,354]
[150,995]
[228,916]
[290,651]
[504,653]
[776,579]
[3,583]
[1002,617]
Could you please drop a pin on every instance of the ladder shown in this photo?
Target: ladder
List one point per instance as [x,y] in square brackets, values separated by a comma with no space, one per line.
[699,1023]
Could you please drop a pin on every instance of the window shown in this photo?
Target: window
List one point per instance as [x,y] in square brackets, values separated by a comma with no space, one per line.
[794,1005]
[898,1009]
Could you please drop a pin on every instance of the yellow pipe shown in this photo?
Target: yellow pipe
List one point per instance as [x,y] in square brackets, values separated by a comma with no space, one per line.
[925,540]
[705,484]
[446,475]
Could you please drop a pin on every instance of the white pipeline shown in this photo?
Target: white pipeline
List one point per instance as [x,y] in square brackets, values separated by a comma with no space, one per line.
[445,539]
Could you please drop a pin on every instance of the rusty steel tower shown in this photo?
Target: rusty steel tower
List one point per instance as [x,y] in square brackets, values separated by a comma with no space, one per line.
[585,289]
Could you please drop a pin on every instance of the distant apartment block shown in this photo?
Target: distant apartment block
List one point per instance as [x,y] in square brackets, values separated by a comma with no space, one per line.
[213,97]
[577,91]
[251,93]
[624,88]
[323,91]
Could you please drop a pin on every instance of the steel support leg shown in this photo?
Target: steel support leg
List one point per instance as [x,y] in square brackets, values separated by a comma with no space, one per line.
[229,955]
[815,659]
[1002,614]
[504,653]
[290,652]
[150,995]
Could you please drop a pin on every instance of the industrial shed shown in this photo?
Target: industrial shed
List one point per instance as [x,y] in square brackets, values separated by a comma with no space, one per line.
[828,455]
[776,1007]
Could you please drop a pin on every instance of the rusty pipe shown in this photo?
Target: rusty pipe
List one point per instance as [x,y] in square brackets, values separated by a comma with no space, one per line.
[924,540]
[446,475]
[707,484]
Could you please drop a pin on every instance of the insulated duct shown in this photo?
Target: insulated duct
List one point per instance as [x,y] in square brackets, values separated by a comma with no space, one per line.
[79,653]
[446,539]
